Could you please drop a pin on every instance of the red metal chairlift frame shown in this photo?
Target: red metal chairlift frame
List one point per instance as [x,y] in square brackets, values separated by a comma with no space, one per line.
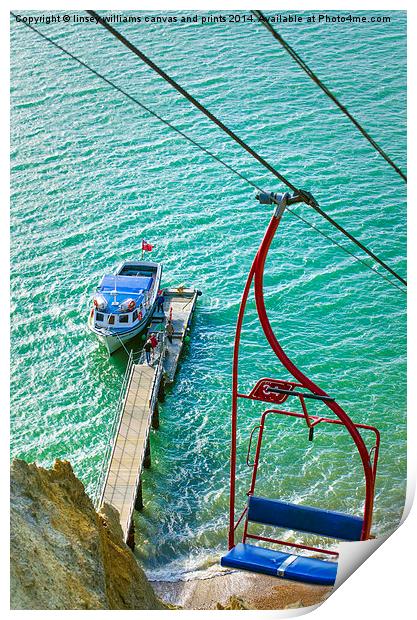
[261,391]
[312,422]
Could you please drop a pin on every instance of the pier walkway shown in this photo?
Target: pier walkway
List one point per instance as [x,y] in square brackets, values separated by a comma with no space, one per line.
[129,450]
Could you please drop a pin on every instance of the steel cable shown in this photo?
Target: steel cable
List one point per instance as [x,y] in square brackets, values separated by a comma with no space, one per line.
[202,148]
[237,139]
[264,21]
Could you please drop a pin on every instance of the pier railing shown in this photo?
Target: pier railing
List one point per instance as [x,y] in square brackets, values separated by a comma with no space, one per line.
[135,357]
[113,431]
[159,353]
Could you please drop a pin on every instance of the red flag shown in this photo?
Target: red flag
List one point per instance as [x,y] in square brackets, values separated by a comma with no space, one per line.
[146,247]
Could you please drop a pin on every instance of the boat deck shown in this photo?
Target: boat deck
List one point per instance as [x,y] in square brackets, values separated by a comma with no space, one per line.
[182,304]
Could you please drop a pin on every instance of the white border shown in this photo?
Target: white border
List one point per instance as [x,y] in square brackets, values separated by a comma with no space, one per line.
[384,586]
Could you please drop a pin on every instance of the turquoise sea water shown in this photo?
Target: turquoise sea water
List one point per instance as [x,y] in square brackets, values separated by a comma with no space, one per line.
[92,174]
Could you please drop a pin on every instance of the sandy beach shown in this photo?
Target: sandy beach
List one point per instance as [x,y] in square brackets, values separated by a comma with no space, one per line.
[256,591]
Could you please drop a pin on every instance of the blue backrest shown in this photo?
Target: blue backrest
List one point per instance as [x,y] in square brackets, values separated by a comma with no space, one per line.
[304,518]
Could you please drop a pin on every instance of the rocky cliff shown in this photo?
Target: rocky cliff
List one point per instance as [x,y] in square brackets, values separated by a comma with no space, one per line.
[65,555]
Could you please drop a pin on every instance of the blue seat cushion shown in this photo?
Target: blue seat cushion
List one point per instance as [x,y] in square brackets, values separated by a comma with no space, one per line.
[268,562]
[304,518]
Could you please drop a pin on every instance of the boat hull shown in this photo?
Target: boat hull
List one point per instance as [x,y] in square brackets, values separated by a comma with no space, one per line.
[113,339]
[114,342]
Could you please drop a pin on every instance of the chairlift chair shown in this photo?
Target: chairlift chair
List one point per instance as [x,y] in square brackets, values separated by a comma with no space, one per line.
[278,513]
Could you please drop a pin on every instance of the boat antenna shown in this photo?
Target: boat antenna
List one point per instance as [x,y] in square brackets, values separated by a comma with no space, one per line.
[114,293]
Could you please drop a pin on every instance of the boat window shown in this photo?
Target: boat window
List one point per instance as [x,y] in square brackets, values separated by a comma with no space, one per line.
[99,316]
[134,315]
[111,319]
[123,318]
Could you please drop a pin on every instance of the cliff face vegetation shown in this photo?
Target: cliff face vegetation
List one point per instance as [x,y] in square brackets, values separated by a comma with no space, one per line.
[65,555]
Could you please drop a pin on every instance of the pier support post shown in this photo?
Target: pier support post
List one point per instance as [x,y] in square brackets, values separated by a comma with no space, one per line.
[161,392]
[155,416]
[139,496]
[147,459]
[131,536]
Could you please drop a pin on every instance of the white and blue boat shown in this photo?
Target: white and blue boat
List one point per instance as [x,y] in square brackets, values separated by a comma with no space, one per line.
[124,302]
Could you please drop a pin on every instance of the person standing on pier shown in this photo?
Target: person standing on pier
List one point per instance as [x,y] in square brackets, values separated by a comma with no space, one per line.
[160,301]
[169,330]
[154,342]
[148,348]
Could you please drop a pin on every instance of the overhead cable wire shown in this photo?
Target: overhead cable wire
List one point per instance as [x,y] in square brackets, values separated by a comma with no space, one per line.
[342,247]
[239,140]
[301,63]
[190,98]
[202,148]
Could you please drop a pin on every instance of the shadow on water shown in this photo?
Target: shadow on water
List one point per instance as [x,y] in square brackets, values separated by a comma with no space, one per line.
[119,358]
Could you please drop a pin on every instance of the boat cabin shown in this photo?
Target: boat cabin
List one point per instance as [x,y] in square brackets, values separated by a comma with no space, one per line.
[123,299]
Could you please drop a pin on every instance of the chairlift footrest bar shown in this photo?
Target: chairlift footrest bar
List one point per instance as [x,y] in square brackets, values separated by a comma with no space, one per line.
[276,390]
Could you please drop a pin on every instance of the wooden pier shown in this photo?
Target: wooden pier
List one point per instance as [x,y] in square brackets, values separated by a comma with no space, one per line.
[129,451]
